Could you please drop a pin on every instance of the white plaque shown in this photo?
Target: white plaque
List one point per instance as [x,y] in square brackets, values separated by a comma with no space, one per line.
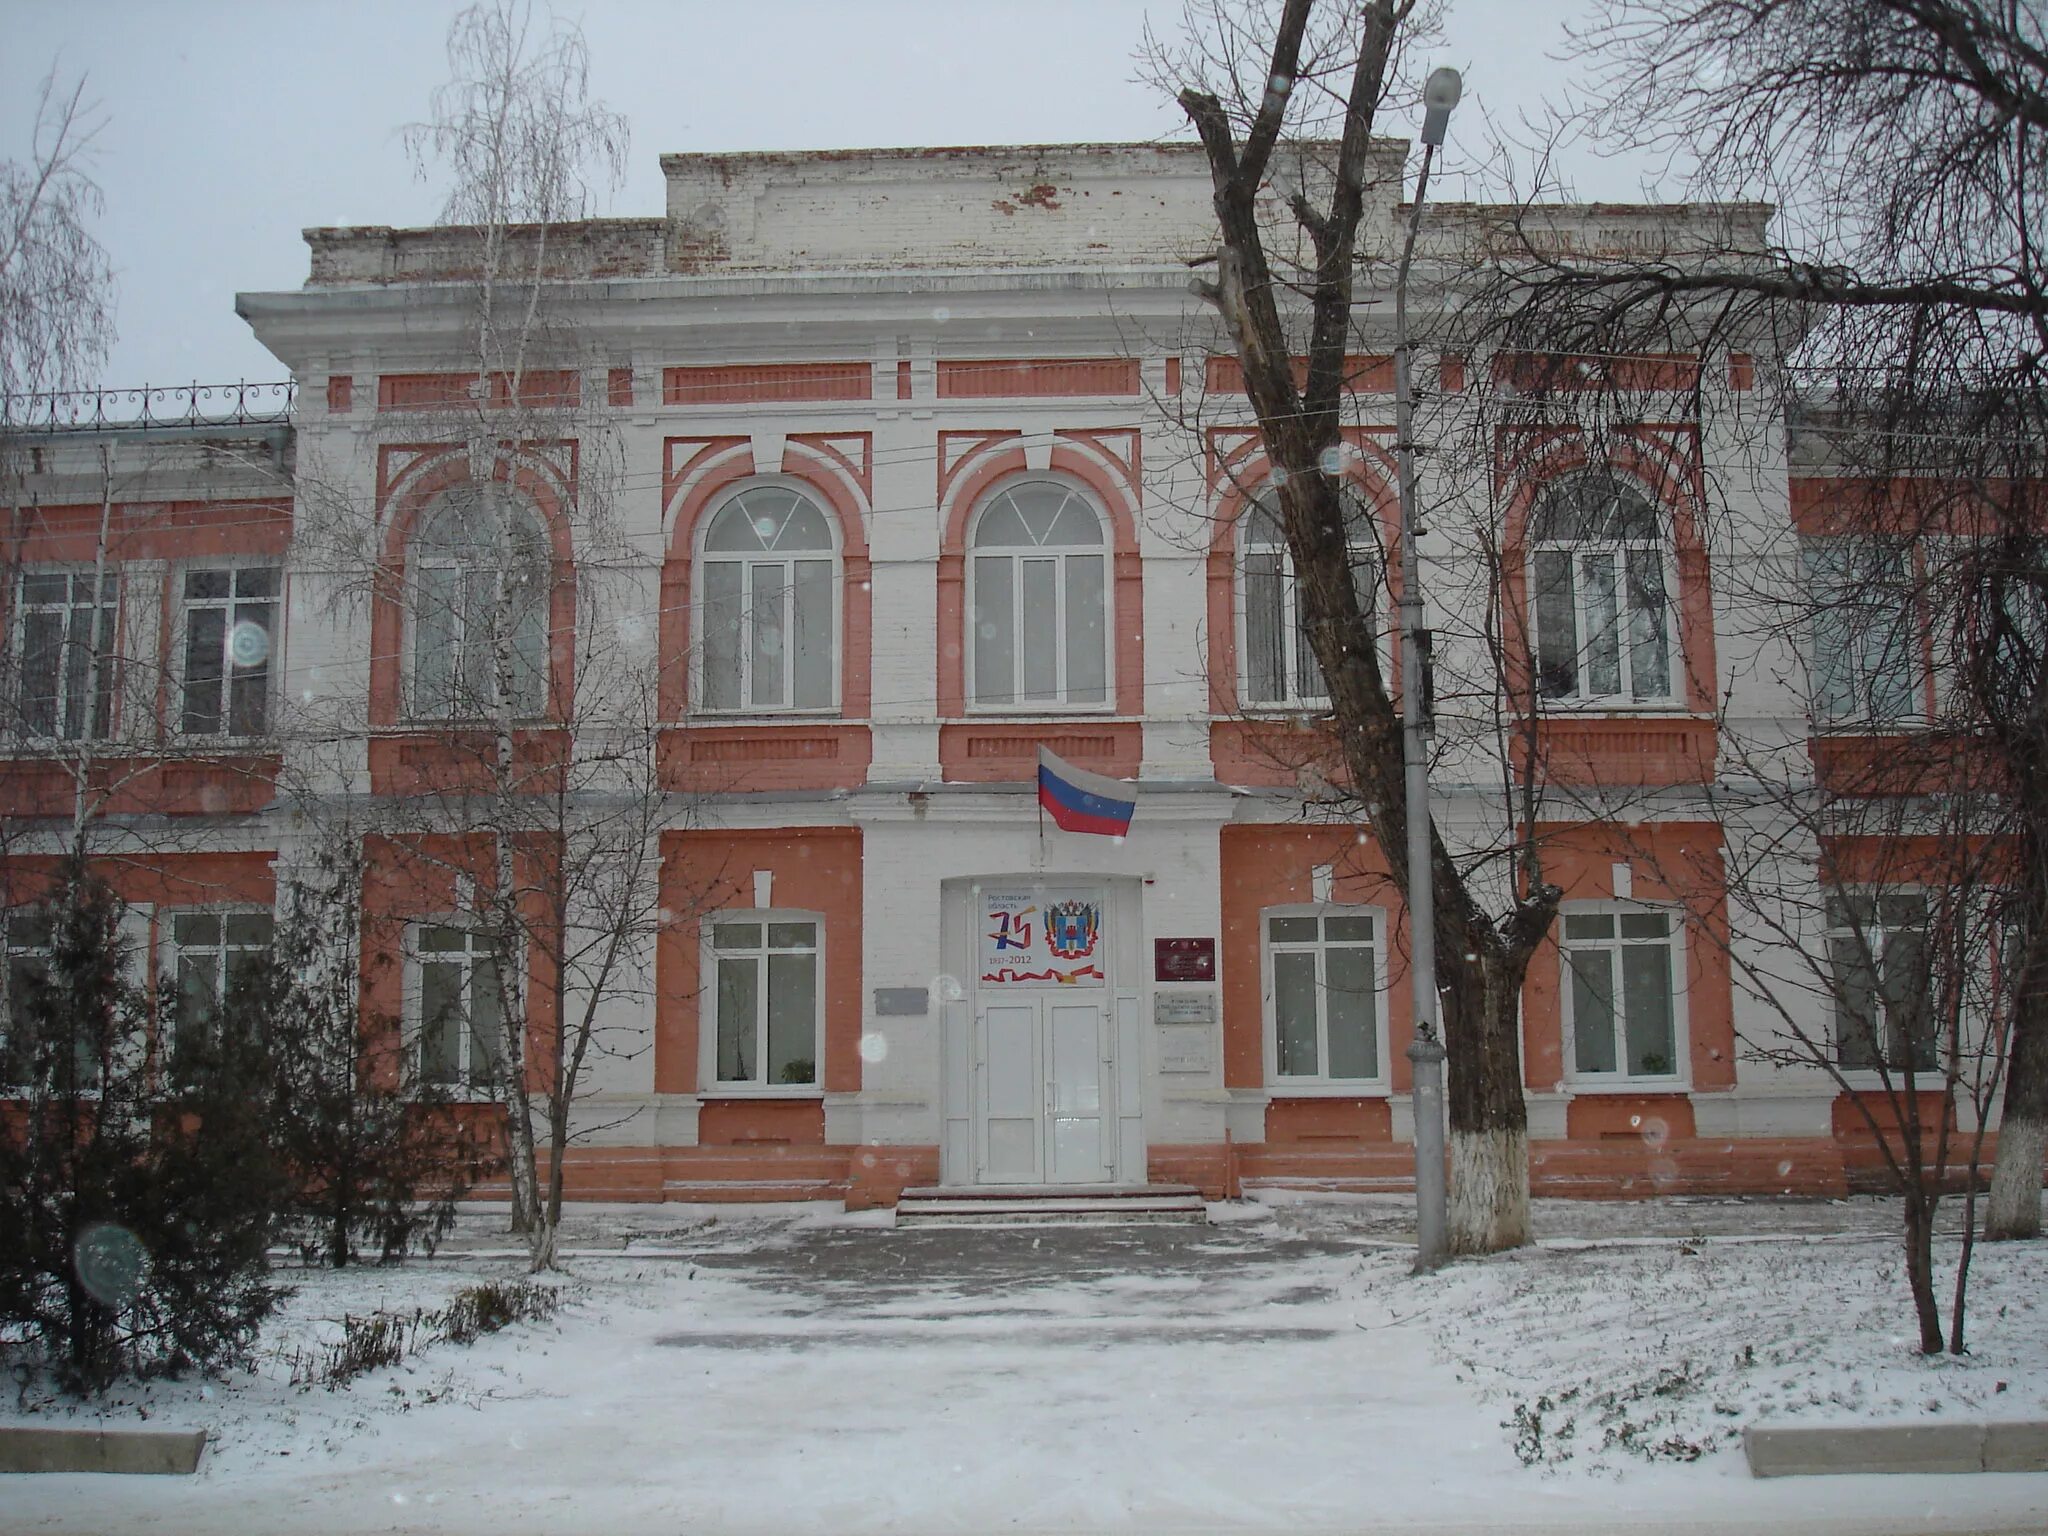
[1184,1008]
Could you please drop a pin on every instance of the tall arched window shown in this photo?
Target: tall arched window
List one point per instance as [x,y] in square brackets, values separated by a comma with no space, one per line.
[1603,620]
[1280,666]
[767,603]
[480,567]
[1040,623]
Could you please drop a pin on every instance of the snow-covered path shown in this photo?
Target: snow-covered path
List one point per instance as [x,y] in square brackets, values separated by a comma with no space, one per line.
[782,1373]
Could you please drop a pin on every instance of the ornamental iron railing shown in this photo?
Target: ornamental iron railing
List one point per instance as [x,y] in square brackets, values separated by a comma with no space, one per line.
[151,407]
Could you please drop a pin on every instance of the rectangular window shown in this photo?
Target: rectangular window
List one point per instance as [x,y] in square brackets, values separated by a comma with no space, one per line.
[1603,624]
[1866,666]
[461,1004]
[1877,956]
[208,953]
[230,629]
[1323,990]
[29,938]
[460,613]
[65,644]
[1280,666]
[1621,1004]
[28,965]
[765,999]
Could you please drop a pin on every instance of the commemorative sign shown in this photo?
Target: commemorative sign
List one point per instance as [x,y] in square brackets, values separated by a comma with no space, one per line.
[1042,938]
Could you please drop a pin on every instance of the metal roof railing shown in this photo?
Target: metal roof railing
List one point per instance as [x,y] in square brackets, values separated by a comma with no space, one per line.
[151,407]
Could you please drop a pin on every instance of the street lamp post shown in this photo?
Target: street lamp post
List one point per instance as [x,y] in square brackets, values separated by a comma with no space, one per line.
[1426,1052]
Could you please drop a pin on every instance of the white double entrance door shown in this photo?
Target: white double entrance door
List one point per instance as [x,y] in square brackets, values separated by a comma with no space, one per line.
[1042,1086]
[1044,1041]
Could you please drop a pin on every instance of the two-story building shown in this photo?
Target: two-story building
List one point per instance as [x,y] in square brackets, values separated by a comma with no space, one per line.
[883,470]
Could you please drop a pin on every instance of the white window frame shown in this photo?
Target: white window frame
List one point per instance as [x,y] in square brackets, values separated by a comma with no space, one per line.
[10,952]
[1879,930]
[131,1047]
[419,560]
[1578,551]
[1674,943]
[417,958]
[703,558]
[170,952]
[1060,554]
[1295,701]
[270,664]
[1854,645]
[108,606]
[710,1084]
[1321,1083]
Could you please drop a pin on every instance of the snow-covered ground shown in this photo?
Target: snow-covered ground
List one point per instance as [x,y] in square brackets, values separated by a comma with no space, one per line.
[791,1369]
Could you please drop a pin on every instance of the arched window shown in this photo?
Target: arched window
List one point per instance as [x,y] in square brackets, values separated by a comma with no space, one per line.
[767,602]
[1603,620]
[1280,667]
[1040,600]
[480,569]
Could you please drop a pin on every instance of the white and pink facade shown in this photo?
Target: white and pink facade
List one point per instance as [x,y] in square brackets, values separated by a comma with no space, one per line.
[917,462]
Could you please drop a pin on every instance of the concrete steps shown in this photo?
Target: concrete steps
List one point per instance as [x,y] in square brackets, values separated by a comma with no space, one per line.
[1023,1205]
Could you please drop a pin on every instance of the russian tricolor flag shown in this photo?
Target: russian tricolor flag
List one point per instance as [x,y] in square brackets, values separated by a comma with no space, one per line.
[1079,801]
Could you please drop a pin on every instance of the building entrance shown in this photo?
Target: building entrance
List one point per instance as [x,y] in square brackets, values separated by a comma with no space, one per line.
[1043,1039]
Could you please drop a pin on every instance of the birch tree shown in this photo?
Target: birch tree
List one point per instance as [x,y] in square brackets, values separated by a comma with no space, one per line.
[523,146]
[56,285]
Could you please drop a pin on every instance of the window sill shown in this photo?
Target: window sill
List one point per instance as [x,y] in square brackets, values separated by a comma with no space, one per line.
[826,716]
[1037,711]
[762,1091]
[1866,1080]
[1617,708]
[1297,1088]
[1867,730]
[1304,712]
[1593,1087]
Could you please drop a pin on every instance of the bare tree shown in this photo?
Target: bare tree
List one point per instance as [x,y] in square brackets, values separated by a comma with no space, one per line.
[551,857]
[1905,143]
[1258,94]
[56,287]
[520,139]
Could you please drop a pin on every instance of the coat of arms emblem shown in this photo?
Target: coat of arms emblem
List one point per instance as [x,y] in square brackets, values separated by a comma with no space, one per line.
[1071,928]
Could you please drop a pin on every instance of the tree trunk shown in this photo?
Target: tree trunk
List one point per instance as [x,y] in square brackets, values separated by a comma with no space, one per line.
[1489,1201]
[1920,1263]
[2013,1208]
[1959,1298]
[549,1223]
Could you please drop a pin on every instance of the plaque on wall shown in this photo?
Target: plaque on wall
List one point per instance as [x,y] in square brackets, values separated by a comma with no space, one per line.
[1184,1008]
[901,1002]
[1183,959]
[1182,1049]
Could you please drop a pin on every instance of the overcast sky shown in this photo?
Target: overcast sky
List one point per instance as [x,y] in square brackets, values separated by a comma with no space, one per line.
[230,125]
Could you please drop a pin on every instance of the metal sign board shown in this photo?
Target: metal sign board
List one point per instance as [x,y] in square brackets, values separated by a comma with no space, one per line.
[1183,959]
[1184,1008]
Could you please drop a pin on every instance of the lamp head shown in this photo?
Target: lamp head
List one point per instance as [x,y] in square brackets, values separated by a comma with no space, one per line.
[1441,93]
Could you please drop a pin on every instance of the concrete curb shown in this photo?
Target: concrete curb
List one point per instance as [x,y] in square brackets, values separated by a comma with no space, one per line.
[1805,1450]
[174,1451]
